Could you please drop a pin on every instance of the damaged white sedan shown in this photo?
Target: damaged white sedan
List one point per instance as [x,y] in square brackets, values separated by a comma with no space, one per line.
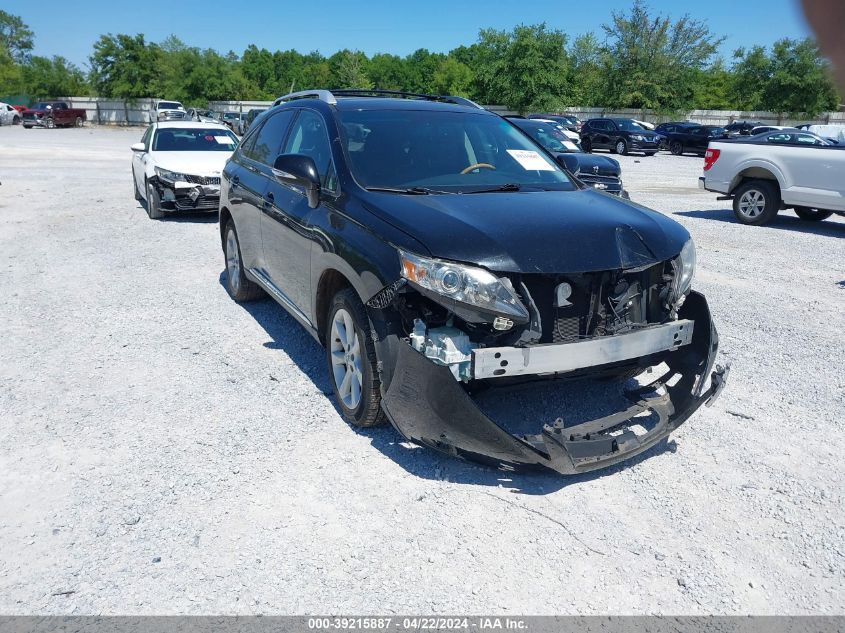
[176,167]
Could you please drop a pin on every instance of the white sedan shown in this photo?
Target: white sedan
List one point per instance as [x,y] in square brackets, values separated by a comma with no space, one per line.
[177,166]
[8,115]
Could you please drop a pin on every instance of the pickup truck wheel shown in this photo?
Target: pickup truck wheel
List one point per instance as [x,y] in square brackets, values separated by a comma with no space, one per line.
[756,202]
[78,121]
[153,203]
[49,122]
[621,147]
[812,215]
[676,148]
[352,363]
[239,287]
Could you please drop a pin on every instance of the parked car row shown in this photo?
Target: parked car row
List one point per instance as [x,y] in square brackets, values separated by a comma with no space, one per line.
[384,223]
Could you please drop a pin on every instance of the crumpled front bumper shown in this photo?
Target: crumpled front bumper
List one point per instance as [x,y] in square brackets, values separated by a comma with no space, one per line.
[429,407]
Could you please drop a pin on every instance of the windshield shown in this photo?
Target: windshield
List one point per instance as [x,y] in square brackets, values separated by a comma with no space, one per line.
[716,131]
[169,105]
[194,140]
[628,125]
[452,151]
[549,136]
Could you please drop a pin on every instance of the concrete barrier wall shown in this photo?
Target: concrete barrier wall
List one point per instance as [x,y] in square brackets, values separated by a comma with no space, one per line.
[115,112]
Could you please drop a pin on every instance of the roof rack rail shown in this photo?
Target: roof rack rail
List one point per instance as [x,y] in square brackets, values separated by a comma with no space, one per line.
[330,96]
[322,95]
[362,92]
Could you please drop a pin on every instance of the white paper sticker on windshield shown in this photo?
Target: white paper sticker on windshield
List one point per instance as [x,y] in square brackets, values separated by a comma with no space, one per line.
[572,147]
[530,160]
[224,140]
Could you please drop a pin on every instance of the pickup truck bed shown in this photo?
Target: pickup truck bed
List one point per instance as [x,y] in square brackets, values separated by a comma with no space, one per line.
[763,178]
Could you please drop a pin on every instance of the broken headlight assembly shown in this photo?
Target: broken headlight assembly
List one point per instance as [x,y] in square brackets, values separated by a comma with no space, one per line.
[684,266]
[450,283]
[170,176]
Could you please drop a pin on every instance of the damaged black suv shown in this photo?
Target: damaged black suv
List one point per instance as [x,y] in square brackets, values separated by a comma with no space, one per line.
[432,247]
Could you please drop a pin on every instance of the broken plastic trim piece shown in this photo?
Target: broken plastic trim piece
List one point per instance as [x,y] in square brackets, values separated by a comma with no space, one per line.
[428,407]
[385,296]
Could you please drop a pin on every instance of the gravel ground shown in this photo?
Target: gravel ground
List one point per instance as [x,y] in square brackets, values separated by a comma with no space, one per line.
[164,450]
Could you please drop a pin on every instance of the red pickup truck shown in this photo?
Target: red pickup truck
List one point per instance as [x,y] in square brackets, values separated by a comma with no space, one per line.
[53,114]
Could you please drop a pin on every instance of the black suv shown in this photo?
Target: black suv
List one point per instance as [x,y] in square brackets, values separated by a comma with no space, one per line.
[618,135]
[432,247]
[692,138]
[741,128]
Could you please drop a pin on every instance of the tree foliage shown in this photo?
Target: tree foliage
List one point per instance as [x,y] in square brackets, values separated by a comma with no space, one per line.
[638,60]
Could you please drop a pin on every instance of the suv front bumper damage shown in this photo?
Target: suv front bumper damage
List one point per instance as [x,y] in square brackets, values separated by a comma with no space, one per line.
[429,407]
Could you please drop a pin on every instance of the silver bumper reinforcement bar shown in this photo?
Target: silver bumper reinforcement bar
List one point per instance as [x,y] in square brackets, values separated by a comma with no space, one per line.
[497,362]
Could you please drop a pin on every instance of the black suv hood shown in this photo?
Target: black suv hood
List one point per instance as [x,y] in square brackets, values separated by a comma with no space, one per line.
[534,232]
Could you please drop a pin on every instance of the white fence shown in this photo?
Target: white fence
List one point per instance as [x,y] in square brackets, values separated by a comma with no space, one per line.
[137,112]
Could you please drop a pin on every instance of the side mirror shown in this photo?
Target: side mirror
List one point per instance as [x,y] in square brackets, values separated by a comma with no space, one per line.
[299,171]
[139,147]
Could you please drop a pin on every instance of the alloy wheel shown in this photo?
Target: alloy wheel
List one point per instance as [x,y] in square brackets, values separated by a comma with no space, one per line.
[752,203]
[346,351]
[233,262]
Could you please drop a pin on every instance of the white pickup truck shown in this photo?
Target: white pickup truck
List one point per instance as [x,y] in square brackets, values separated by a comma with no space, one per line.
[764,175]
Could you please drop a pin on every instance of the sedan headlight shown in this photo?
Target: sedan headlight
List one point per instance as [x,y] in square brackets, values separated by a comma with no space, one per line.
[466,284]
[685,269]
[170,176]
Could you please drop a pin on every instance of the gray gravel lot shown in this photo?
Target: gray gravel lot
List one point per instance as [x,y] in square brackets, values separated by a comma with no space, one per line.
[164,450]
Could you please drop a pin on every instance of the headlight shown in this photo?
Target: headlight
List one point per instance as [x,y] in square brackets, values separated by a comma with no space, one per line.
[685,269]
[170,176]
[637,137]
[473,286]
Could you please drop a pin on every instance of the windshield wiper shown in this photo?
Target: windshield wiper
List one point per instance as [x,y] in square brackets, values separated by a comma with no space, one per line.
[411,191]
[511,186]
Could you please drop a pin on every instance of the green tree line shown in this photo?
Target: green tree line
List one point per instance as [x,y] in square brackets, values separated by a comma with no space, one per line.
[637,60]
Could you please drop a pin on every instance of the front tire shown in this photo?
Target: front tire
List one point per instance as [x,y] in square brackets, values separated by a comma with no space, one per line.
[812,215]
[621,147]
[135,187]
[50,123]
[239,287]
[16,120]
[78,121]
[352,362]
[153,203]
[587,146]
[756,202]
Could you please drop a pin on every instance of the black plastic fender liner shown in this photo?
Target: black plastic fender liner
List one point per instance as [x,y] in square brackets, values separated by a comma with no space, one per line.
[429,407]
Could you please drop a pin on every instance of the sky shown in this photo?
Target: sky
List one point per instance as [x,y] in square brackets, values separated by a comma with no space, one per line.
[398,27]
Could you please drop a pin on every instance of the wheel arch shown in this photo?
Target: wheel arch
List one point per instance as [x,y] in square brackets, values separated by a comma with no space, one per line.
[223,219]
[756,172]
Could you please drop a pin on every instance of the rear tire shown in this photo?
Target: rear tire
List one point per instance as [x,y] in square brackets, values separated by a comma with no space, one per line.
[676,148]
[16,120]
[352,361]
[153,203]
[586,146]
[239,287]
[812,215]
[756,202]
